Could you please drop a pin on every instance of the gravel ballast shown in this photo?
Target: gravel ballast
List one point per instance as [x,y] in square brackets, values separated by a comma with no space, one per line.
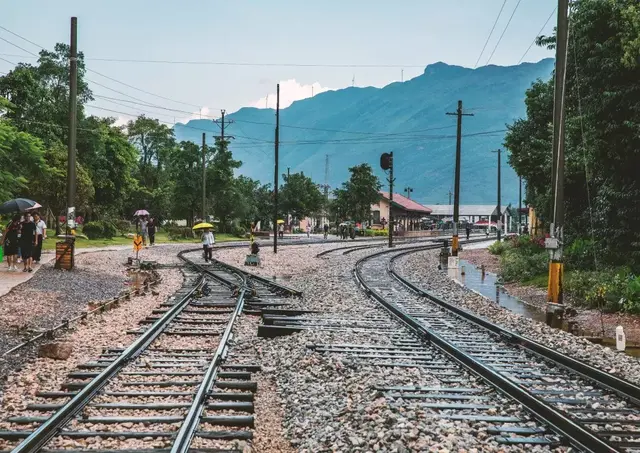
[329,401]
[420,268]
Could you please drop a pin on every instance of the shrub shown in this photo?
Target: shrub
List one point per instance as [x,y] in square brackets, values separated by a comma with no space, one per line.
[177,232]
[516,266]
[375,233]
[123,226]
[609,289]
[93,230]
[497,248]
[580,254]
[100,229]
[238,230]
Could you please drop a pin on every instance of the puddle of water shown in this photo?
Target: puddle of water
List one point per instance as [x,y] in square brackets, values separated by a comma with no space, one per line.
[486,286]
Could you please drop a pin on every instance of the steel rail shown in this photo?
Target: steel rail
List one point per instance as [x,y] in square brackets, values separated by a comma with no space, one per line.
[264,281]
[37,439]
[619,386]
[190,424]
[577,435]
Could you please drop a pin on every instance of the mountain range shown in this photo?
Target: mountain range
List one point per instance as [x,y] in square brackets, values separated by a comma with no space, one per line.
[355,125]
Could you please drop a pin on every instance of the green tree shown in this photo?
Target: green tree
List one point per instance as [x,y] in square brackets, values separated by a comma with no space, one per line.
[356,196]
[602,127]
[41,94]
[220,184]
[299,196]
[21,162]
[185,170]
[104,150]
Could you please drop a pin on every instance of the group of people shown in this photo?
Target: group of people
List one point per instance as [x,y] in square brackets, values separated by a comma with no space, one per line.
[22,241]
[345,231]
[148,230]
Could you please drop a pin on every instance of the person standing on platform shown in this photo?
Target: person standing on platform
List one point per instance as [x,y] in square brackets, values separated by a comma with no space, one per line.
[10,242]
[41,235]
[27,242]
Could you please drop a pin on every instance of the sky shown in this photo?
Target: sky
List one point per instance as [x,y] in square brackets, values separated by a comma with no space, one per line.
[307,47]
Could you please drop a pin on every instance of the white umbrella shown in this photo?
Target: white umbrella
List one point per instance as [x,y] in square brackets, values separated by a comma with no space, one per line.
[140,212]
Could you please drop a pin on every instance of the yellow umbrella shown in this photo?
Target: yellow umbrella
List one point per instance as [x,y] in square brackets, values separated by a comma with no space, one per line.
[280,221]
[202,225]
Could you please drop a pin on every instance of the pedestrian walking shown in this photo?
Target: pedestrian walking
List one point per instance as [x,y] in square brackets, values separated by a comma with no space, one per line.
[151,229]
[10,242]
[144,223]
[468,230]
[41,235]
[27,242]
[326,230]
[281,231]
[207,244]
[308,230]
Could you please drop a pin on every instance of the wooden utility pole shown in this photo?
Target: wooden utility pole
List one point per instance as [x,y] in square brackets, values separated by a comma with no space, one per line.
[275,175]
[450,193]
[73,111]
[554,243]
[499,221]
[204,177]
[408,191]
[391,199]
[456,189]
[520,207]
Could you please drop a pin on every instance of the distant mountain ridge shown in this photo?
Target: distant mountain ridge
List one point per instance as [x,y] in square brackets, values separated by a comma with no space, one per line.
[355,125]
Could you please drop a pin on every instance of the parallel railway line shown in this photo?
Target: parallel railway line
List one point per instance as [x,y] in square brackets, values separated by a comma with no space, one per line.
[588,408]
[171,389]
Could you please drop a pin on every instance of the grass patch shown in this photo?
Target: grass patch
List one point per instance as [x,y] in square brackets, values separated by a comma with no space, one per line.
[161,238]
[539,281]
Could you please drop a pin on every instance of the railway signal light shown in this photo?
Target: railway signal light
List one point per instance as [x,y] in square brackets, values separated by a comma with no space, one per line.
[386,161]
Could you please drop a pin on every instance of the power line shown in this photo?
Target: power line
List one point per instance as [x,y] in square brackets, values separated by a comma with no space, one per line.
[490,33]
[21,37]
[503,32]
[538,34]
[231,63]
[17,46]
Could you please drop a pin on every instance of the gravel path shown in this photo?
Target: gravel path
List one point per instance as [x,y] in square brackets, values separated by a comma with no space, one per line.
[421,268]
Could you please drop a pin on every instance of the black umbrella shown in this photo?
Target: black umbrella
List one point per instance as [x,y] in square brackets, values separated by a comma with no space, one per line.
[18,205]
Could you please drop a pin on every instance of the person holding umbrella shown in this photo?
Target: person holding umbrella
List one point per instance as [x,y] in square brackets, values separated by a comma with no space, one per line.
[207,244]
[27,242]
[10,242]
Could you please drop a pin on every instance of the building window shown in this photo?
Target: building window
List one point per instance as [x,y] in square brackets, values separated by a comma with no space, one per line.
[376,217]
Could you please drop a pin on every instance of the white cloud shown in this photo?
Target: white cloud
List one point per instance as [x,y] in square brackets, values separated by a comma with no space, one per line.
[290,91]
[121,121]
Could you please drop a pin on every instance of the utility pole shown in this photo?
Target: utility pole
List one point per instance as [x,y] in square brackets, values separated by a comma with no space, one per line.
[73,111]
[408,191]
[391,199]
[520,207]
[456,189]
[221,123]
[499,221]
[204,177]
[554,243]
[450,193]
[275,175]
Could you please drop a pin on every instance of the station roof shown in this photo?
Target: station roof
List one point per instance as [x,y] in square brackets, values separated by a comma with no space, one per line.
[402,202]
[466,209]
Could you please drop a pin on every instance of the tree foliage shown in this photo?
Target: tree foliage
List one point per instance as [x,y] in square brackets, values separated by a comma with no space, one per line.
[353,201]
[299,196]
[602,150]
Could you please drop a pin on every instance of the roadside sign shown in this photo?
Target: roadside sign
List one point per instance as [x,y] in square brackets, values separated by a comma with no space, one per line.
[137,243]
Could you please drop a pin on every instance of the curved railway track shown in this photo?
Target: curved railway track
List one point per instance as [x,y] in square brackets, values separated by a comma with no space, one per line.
[158,394]
[583,406]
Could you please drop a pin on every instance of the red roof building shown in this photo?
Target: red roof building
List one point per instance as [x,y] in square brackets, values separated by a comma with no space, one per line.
[406,212]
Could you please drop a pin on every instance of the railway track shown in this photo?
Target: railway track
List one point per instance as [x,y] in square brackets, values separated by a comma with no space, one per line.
[171,389]
[572,402]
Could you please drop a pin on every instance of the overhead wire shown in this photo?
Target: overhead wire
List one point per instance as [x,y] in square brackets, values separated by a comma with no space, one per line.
[503,32]
[538,34]
[490,34]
